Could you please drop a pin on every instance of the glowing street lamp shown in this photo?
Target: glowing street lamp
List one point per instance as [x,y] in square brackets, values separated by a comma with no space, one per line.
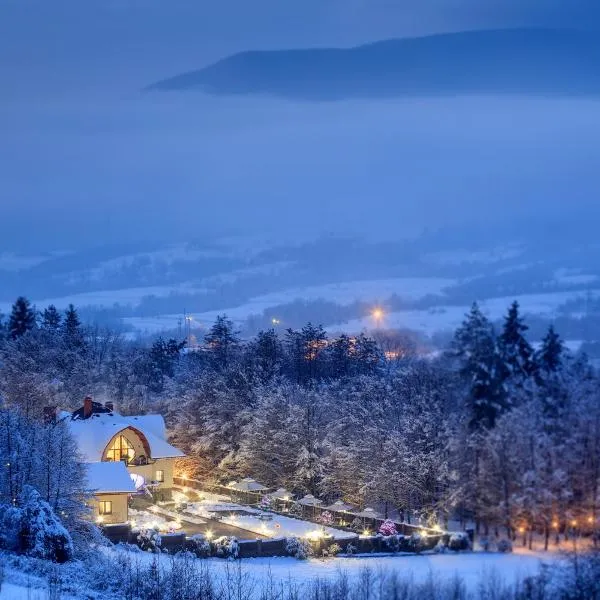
[378,314]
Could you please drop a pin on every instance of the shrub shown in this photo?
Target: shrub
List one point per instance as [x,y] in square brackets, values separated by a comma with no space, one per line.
[199,546]
[334,549]
[10,527]
[357,525]
[505,546]
[149,540]
[298,548]
[325,518]
[350,549]
[388,527]
[440,547]
[227,547]
[485,543]
[266,503]
[392,542]
[42,535]
[296,509]
[459,541]
[415,543]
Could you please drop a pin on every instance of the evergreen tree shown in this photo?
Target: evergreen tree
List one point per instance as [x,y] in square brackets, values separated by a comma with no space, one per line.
[305,352]
[222,342]
[550,355]
[265,353]
[475,346]
[73,334]
[22,318]
[51,319]
[515,350]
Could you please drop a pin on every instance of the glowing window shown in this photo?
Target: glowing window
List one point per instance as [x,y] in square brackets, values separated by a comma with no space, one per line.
[121,449]
[105,507]
[160,476]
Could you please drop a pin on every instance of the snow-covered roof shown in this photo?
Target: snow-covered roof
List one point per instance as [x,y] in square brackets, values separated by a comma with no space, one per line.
[247,485]
[94,433]
[109,477]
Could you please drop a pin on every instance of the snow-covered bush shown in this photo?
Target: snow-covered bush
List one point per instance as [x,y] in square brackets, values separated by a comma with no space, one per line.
[266,503]
[392,542]
[298,548]
[199,546]
[459,541]
[149,540]
[388,527]
[415,543]
[350,549]
[325,518]
[42,534]
[485,543]
[334,549]
[440,547]
[10,527]
[296,509]
[357,525]
[226,547]
[505,546]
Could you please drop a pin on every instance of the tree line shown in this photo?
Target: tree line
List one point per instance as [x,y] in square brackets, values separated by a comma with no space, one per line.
[488,429]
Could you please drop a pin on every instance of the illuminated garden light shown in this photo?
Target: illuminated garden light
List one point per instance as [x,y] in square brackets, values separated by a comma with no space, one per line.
[209,534]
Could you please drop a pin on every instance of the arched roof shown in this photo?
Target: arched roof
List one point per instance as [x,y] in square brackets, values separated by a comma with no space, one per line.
[94,434]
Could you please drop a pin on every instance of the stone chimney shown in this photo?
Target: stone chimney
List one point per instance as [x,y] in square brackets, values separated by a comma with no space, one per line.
[109,406]
[87,407]
[49,415]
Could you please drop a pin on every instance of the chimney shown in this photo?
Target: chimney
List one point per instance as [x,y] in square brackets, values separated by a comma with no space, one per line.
[87,407]
[49,415]
[109,406]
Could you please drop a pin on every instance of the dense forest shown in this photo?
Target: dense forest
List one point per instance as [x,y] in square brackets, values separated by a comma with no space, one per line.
[489,430]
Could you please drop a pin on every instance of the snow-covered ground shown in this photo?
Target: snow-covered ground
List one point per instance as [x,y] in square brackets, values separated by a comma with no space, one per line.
[444,318]
[267,524]
[470,567]
[142,519]
[281,526]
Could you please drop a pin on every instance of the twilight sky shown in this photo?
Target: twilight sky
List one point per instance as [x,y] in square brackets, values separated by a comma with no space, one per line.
[86,159]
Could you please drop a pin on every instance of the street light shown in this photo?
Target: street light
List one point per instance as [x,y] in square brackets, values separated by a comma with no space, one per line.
[377,314]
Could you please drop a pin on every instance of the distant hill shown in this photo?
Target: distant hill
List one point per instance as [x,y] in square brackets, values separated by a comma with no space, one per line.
[513,61]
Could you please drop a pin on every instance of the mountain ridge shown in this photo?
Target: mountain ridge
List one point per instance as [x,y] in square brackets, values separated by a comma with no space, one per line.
[529,61]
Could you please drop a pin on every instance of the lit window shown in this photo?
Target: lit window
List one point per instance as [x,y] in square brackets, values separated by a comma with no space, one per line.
[121,449]
[105,507]
[160,476]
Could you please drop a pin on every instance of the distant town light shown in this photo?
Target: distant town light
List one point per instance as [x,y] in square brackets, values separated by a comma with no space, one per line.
[275,321]
[378,315]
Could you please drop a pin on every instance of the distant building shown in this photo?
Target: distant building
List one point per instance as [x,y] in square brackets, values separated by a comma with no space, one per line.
[122,454]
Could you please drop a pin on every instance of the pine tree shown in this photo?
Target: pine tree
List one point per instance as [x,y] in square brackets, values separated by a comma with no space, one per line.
[222,342]
[266,354]
[72,329]
[51,319]
[305,352]
[475,346]
[515,350]
[22,318]
[550,355]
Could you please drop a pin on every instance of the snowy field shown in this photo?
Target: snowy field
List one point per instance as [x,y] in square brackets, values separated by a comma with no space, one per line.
[469,567]
[472,568]
[444,318]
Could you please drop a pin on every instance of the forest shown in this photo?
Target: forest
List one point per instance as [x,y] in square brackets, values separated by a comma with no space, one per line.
[490,431]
